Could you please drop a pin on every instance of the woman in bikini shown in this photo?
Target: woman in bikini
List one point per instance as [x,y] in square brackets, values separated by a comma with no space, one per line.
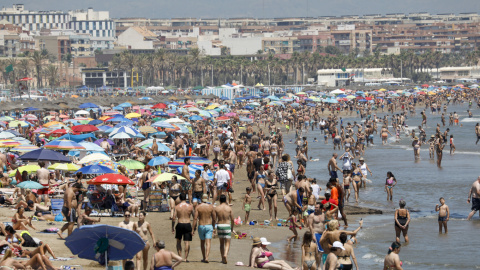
[390,182]
[19,221]
[309,252]
[402,220]
[347,180]
[260,178]
[392,260]
[36,262]
[347,257]
[259,258]
[271,191]
[384,133]
[357,180]
[274,152]
[175,190]
[239,149]
[301,168]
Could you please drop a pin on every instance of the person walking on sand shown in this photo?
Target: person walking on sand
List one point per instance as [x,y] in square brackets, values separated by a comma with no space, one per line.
[225,222]
[142,227]
[206,217]
[443,215]
[69,209]
[183,230]
[474,197]
[127,224]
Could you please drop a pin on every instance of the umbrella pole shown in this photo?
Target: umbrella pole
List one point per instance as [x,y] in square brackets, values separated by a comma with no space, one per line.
[106,261]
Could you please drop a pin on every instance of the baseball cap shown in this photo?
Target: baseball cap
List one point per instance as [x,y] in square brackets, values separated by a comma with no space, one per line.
[227,166]
[338,244]
[205,198]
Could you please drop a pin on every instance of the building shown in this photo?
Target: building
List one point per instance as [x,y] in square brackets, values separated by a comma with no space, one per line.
[344,77]
[98,77]
[58,46]
[348,38]
[16,44]
[34,21]
[97,24]
[138,38]
[456,74]
[280,45]
[80,45]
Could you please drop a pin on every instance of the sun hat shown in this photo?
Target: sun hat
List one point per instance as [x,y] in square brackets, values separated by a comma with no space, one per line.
[265,241]
[338,244]
[205,198]
[361,159]
[256,241]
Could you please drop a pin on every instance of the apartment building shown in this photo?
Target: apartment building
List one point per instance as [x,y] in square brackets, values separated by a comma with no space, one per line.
[35,20]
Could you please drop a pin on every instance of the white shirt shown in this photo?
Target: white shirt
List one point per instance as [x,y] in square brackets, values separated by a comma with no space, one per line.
[222,177]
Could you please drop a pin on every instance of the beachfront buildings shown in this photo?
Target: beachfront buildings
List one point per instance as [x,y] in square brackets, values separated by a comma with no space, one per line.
[346,77]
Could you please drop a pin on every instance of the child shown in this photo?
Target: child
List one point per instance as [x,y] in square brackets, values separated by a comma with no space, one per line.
[246,204]
[315,139]
[311,203]
[326,134]
[452,145]
[346,185]
[443,215]
[431,148]
[293,225]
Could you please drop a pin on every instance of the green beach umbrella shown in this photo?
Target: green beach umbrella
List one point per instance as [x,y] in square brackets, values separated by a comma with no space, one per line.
[132,164]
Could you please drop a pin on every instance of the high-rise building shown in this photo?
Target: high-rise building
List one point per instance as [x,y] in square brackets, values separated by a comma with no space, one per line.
[35,20]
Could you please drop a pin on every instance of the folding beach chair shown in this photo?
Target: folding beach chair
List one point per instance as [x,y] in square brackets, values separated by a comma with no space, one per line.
[57,205]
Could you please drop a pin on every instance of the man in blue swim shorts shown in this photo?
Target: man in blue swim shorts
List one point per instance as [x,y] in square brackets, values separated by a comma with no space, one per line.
[333,167]
[206,217]
[316,225]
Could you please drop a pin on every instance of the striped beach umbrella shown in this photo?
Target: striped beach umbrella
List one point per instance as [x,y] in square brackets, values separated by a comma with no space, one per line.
[191,171]
[63,145]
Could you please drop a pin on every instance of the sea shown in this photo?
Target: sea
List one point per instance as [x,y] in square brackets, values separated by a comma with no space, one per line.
[420,183]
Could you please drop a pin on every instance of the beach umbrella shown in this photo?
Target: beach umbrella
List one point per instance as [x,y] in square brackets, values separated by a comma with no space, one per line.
[27,168]
[147,129]
[64,167]
[175,121]
[191,171]
[160,160]
[161,147]
[115,166]
[44,154]
[6,135]
[99,141]
[30,185]
[165,177]
[15,123]
[84,128]
[88,241]
[95,169]
[162,124]
[195,118]
[93,157]
[95,122]
[133,115]
[24,148]
[60,132]
[112,179]
[128,130]
[121,135]
[132,164]
[125,105]
[88,105]
[31,109]
[6,118]
[63,145]
[273,98]
[89,146]
[104,128]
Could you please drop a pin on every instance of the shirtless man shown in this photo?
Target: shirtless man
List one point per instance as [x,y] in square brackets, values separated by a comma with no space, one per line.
[477,132]
[105,145]
[178,143]
[206,217]
[70,206]
[43,176]
[127,224]
[187,186]
[316,225]
[163,259]
[333,167]
[85,219]
[291,201]
[142,227]
[225,222]
[474,196]
[199,188]
[183,229]
[333,234]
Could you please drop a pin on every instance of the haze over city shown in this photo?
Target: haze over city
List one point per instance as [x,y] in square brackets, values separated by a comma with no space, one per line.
[253,8]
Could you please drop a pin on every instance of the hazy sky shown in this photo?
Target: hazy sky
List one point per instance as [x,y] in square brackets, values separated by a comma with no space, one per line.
[251,8]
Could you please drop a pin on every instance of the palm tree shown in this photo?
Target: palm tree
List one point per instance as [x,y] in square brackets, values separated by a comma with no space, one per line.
[38,58]
[51,73]
[24,66]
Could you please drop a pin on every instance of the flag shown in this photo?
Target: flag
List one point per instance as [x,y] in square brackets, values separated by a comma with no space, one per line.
[9,69]
[344,69]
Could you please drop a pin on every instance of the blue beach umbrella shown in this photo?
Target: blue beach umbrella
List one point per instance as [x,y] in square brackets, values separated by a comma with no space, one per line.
[95,169]
[160,160]
[89,241]
[30,185]
[44,154]
[191,171]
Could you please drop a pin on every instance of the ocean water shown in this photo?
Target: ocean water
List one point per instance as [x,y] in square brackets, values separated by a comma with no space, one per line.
[420,183]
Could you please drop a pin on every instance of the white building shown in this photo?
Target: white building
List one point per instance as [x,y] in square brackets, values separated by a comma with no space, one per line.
[456,74]
[339,77]
[95,23]
[137,38]
[35,20]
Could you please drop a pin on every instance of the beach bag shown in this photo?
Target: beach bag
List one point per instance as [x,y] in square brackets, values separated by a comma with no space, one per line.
[59,217]
[289,175]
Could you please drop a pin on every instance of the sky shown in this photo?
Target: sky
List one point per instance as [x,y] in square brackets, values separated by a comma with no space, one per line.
[250,8]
